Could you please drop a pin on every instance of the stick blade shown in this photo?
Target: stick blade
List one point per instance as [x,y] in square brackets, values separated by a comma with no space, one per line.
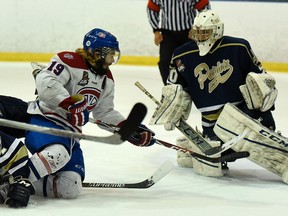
[132,122]
[162,171]
[225,146]
[234,156]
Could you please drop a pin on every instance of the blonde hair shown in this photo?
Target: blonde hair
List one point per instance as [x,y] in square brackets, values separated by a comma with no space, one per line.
[86,54]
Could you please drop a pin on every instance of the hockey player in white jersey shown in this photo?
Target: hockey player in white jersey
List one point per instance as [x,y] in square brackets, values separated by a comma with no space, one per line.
[73,85]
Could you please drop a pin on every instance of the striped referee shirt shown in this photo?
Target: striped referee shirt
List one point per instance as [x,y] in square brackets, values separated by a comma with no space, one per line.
[174,15]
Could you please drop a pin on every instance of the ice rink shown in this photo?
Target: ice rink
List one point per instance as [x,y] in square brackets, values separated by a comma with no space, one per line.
[247,190]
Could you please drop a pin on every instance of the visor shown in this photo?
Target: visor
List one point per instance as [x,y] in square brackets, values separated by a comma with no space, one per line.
[200,34]
[110,55]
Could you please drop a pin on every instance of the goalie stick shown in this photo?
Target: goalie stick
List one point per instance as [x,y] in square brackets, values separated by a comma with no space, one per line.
[229,157]
[193,135]
[132,122]
[162,171]
[225,158]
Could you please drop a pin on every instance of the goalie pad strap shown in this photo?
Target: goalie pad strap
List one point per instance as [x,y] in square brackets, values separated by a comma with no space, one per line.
[267,148]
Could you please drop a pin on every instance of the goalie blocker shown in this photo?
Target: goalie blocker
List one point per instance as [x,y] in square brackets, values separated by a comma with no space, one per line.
[267,148]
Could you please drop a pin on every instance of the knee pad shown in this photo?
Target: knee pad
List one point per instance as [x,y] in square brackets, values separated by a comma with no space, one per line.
[65,185]
[68,185]
[48,161]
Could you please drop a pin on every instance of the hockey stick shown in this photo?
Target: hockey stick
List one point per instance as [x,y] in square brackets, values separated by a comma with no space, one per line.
[132,122]
[193,135]
[162,171]
[228,157]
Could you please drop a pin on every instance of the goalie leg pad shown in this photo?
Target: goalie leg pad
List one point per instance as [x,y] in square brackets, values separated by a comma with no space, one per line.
[200,167]
[267,148]
[184,159]
[206,168]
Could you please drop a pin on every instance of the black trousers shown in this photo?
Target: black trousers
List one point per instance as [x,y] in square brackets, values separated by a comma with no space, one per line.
[171,40]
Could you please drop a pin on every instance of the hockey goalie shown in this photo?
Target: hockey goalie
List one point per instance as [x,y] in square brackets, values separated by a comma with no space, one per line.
[266,147]
[211,71]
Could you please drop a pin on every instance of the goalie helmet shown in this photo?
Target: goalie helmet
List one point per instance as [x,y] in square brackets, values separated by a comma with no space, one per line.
[206,30]
[102,42]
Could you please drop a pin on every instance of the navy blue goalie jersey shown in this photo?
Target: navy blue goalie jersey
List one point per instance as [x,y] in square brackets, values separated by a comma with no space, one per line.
[214,79]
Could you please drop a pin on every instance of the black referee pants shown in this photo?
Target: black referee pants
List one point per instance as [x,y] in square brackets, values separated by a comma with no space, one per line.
[171,40]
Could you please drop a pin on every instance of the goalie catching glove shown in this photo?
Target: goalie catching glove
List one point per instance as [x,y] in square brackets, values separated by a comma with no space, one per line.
[143,137]
[76,105]
[259,91]
[175,104]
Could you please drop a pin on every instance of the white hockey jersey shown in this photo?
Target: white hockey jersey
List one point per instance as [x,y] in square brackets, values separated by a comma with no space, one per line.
[67,74]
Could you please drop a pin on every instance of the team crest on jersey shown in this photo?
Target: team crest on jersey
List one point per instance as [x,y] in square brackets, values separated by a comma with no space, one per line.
[85,79]
[68,56]
[180,66]
[101,34]
[92,96]
[215,75]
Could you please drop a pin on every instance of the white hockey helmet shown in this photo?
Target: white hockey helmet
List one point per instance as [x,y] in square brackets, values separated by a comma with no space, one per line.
[206,30]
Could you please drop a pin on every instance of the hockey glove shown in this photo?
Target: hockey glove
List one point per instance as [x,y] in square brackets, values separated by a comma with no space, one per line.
[175,104]
[76,105]
[259,91]
[20,191]
[143,137]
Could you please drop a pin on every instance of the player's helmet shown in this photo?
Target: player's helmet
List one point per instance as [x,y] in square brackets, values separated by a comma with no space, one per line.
[206,30]
[103,42]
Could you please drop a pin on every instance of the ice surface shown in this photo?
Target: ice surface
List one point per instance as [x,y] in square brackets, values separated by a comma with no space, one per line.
[247,190]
